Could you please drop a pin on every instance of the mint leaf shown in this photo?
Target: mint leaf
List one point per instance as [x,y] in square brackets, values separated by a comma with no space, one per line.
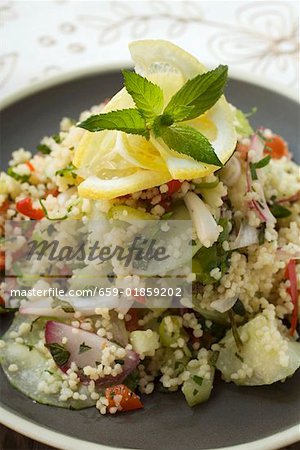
[180,112]
[259,165]
[147,96]
[128,120]
[84,348]
[59,353]
[201,92]
[187,140]
[279,211]
[263,162]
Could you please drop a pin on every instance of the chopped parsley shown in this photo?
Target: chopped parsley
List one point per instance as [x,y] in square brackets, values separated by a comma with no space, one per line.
[59,353]
[84,348]
[16,176]
[198,380]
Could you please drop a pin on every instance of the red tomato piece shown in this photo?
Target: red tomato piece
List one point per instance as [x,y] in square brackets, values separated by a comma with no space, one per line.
[25,207]
[173,186]
[2,260]
[30,166]
[276,147]
[130,400]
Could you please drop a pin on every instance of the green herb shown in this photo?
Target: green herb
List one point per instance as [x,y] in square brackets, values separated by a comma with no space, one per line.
[132,380]
[119,361]
[67,171]
[195,392]
[263,162]
[235,332]
[239,308]
[129,120]
[65,306]
[200,93]
[259,165]
[194,98]
[57,138]
[84,348]
[16,176]
[167,215]
[44,149]
[253,171]
[214,358]
[198,380]
[187,140]
[261,234]
[48,371]
[30,347]
[239,357]
[47,215]
[147,96]
[59,353]
[279,211]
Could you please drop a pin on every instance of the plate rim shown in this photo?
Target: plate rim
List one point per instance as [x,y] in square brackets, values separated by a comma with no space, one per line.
[65,442]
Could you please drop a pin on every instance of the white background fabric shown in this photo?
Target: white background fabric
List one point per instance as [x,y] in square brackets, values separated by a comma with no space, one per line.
[41,39]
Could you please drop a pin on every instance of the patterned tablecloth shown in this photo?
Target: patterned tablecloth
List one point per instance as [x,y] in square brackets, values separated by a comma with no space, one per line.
[42,39]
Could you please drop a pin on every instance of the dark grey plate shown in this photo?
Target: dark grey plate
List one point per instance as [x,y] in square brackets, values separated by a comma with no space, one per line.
[234,415]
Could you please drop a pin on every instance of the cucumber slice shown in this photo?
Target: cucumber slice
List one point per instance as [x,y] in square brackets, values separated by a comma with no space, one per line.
[34,367]
[129,214]
[170,330]
[267,355]
[197,388]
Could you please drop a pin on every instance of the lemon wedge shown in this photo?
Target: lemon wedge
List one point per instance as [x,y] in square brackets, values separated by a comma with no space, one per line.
[97,188]
[114,163]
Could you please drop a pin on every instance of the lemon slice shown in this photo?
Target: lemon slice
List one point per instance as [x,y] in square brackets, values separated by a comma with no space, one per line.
[154,59]
[140,152]
[115,164]
[96,188]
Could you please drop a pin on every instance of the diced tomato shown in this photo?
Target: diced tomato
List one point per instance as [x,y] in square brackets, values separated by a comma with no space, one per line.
[54,192]
[276,147]
[132,324]
[173,186]
[2,260]
[4,206]
[291,275]
[30,166]
[130,400]
[25,207]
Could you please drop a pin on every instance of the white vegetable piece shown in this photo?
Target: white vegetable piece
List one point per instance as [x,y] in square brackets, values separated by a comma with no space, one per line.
[85,349]
[144,342]
[248,235]
[266,356]
[204,222]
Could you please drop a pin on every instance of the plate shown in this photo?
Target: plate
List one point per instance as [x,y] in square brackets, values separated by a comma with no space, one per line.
[265,417]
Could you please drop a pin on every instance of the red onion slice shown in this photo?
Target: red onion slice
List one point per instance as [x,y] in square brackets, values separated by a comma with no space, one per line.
[75,337]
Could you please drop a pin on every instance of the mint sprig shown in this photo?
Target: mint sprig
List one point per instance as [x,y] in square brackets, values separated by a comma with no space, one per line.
[147,96]
[201,92]
[129,120]
[187,140]
[195,97]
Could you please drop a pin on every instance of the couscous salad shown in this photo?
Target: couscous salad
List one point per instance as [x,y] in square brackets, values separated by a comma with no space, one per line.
[167,147]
